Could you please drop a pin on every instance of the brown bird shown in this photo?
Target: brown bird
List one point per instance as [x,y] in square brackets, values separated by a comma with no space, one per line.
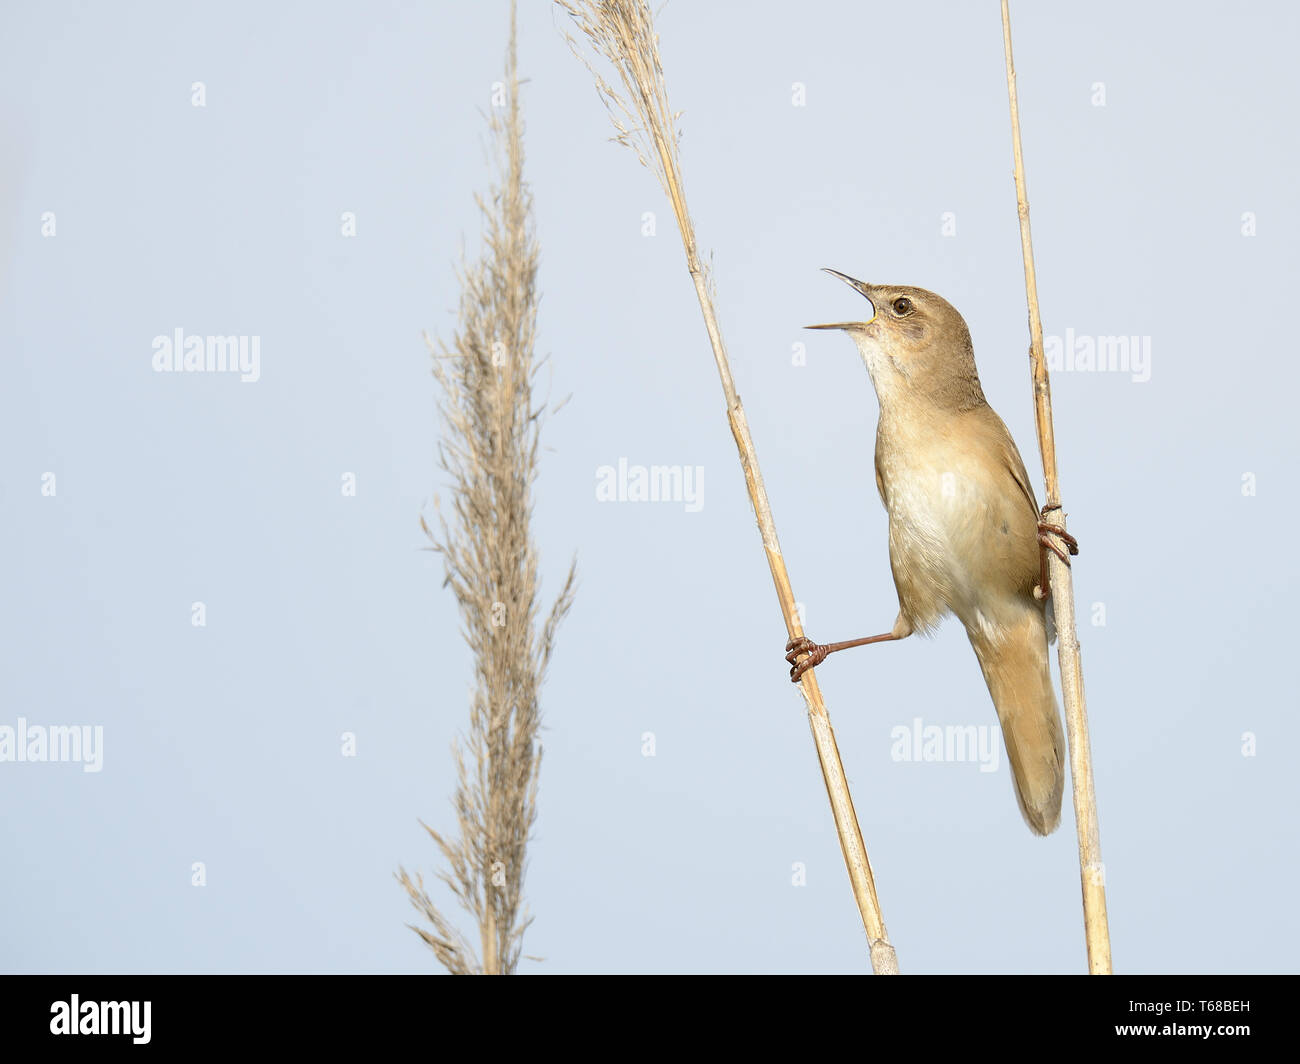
[965,532]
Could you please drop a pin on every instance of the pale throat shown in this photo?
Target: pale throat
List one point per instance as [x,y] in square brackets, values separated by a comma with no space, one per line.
[888,379]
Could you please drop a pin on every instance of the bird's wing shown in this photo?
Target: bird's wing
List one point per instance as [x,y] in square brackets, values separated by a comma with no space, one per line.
[1010,507]
[880,484]
[1016,466]
[1009,455]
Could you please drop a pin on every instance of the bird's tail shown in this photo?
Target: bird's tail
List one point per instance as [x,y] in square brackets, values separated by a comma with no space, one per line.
[1013,658]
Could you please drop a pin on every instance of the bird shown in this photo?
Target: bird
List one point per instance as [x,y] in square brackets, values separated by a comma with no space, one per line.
[966,535]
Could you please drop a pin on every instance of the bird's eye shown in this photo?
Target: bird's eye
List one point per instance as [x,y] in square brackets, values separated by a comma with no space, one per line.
[902,306]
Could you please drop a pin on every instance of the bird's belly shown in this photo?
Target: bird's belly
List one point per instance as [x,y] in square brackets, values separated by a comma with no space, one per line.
[937,520]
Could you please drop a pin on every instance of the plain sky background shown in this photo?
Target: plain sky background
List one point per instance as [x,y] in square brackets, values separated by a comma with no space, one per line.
[222,743]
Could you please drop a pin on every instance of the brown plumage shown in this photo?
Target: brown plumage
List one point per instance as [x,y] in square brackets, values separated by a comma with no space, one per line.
[963,524]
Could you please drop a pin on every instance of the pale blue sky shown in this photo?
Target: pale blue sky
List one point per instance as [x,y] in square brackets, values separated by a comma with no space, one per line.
[221,744]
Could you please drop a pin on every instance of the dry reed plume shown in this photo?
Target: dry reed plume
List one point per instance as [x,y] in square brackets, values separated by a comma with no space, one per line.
[489,447]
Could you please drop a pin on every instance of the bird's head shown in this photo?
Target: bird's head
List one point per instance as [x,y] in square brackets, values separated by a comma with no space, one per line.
[915,344]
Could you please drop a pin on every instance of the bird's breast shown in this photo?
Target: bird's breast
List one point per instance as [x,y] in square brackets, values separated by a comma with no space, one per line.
[931,489]
[945,524]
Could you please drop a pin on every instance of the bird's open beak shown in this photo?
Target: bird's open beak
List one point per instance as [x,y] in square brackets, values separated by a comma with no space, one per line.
[863,288]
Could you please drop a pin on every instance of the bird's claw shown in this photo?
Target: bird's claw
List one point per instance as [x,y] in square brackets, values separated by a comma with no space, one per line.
[1046,531]
[816,654]
[1070,542]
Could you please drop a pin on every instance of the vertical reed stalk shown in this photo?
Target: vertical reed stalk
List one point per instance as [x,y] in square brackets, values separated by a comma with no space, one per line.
[1091,869]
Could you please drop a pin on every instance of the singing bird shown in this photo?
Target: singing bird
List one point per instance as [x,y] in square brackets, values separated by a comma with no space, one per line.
[966,535]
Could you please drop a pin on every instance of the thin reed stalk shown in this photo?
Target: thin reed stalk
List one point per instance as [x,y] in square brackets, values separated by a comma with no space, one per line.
[622,32]
[1091,870]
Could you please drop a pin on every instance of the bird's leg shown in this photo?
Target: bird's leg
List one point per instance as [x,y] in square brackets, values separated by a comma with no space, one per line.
[817,651]
[1046,531]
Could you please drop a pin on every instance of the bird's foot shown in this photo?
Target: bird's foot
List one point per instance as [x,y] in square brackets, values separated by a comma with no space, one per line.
[1048,533]
[803,645]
